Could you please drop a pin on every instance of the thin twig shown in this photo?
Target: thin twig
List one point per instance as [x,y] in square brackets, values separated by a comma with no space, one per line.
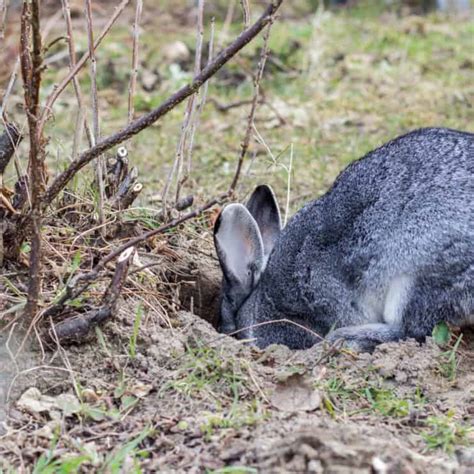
[3,17]
[246,12]
[49,25]
[93,71]
[133,75]
[189,128]
[197,70]
[250,120]
[148,119]
[288,187]
[227,22]
[177,163]
[99,170]
[79,65]
[9,88]
[278,321]
[198,112]
[75,81]
[78,129]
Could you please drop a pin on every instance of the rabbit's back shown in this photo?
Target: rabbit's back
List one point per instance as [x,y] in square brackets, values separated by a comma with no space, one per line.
[401,213]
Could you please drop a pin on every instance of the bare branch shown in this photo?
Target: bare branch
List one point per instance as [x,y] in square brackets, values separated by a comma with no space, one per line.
[9,140]
[133,75]
[93,71]
[78,129]
[3,17]
[99,170]
[210,55]
[195,109]
[8,91]
[52,21]
[197,69]
[75,82]
[198,109]
[248,133]
[177,163]
[148,119]
[77,327]
[189,118]
[31,59]
[227,22]
[246,12]
[79,65]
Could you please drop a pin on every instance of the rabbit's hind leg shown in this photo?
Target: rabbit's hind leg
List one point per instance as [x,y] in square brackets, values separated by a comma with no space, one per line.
[432,304]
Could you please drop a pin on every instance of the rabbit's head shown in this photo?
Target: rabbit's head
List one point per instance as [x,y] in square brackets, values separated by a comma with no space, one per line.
[244,237]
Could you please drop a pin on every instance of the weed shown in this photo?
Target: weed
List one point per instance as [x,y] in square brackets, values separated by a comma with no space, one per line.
[73,267]
[441,334]
[373,394]
[241,414]
[116,461]
[205,369]
[132,347]
[48,463]
[448,361]
[234,470]
[64,465]
[445,432]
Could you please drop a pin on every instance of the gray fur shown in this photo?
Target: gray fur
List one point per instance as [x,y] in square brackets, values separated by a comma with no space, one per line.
[385,254]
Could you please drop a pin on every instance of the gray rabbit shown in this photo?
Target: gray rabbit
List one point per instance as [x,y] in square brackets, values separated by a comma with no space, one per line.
[385,254]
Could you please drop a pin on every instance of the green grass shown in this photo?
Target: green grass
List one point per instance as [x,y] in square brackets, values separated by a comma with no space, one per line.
[355,81]
[233,470]
[206,370]
[115,461]
[222,381]
[370,395]
[240,414]
[123,457]
[445,432]
[49,463]
[373,395]
[132,347]
[448,360]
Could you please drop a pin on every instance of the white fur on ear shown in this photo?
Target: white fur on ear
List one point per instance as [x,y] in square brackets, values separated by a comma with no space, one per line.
[239,245]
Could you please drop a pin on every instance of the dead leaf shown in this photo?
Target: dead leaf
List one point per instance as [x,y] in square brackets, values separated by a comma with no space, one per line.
[140,389]
[33,401]
[295,394]
[89,396]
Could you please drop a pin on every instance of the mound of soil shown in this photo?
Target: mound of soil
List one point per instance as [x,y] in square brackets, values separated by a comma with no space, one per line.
[196,401]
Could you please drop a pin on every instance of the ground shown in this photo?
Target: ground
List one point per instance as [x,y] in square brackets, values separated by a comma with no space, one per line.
[157,388]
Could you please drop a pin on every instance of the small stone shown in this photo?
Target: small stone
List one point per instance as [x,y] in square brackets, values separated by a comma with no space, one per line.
[465,456]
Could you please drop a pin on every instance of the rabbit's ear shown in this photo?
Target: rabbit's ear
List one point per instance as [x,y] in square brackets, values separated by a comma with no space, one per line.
[239,246]
[264,208]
